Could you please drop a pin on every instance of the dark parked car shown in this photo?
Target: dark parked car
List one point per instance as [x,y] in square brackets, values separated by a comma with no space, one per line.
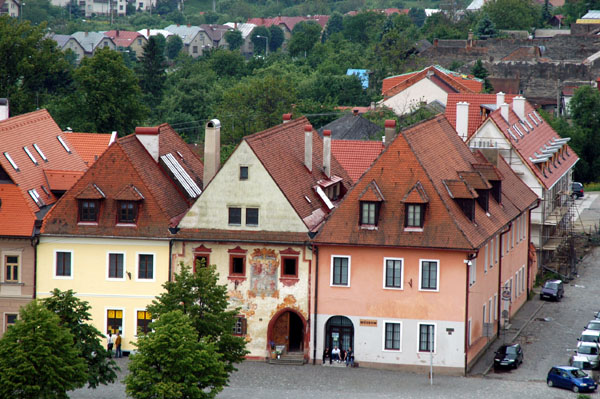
[577,189]
[508,356]
[570,378]
[553,289]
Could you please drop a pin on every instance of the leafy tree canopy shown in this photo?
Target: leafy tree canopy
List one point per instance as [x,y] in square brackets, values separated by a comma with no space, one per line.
[513,14]
[276,38]
[174,46]
[486,28]
[304,37]
[234,39]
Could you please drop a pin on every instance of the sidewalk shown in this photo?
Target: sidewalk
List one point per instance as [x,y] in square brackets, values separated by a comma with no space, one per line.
[517,323]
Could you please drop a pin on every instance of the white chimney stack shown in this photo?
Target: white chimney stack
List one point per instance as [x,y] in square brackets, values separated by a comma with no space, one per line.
[519,107]
[390,131]
[327,152]
[4,109]
[504,111]
[287,118]
[148,136]
[308,147]
[462,120]
[499,99]
[212,150]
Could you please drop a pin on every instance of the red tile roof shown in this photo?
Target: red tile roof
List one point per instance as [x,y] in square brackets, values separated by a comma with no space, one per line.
[476,115]
[89,145]
[419,150]
[124,38]
[355,156]
[126,163]
[281,151]
[16,218]
[242,235]
[386,11]
[289,22]
[62,180]
[452,81]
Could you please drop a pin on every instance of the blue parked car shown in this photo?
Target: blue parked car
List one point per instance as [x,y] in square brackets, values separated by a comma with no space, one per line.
[570,378]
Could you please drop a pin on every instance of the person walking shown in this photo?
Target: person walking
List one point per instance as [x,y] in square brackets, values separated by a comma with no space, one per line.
[109,341]
[118,345]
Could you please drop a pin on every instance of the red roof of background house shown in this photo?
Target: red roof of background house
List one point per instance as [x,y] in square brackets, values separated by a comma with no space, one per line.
[89,145]
[281,151]
[459,83]
[16,218]
[356,156]
[126,163]
[289,22]
[124,38]
[419,150]
[476,117]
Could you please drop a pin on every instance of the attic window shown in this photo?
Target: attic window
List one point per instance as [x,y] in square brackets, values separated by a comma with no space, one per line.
[538,116]
[512,135]
[39,151]
[496,190]
[467,206]
[30,155]
[519,132]
[414,215]
[369,213]
[64,144]
[528,124]
[533,119]
[484,199]
[36,197]
[13,164]
[524,127]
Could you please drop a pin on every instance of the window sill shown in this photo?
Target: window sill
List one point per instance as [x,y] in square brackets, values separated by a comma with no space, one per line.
[368,227]
[289,281]
[126,225]
[11,283]
[87,223]
[238,278]
[340,285]
[413,229]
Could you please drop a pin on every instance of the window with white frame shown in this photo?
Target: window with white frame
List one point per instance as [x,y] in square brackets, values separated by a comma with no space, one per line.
[429,275]
[143,320]
[517,284]
[496,242]
[63,266]
[340,270]
[116,263]
[392,336]
[393,273]
[11,269]
[114,321]
[10,319]
[427,337]
[145,267]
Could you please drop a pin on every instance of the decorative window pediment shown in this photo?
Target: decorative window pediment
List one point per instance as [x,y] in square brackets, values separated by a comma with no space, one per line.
[91,192]
[129,193]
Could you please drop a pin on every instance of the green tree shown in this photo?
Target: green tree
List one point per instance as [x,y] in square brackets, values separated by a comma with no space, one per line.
[485,28]
[38,358]
[227,63]
[417,15]
[364,28]
[32,68]
[234,39]
[107,97]
[172,363]
[480,72]
[75,316]
[258,39]
[513,14]
[335,24]
[276,38]
[584,109]
[151,69]
[440,26]
[174,46]
[304,37]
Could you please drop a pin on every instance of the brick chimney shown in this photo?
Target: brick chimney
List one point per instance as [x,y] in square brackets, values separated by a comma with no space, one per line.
[499,99]
[504,111]
[212,150]
[4,109]
[355,111]
[519,107]
[390,131]
[287,118]
[327,152]
[117,33]
[462,119]
[148,136]
[308,147]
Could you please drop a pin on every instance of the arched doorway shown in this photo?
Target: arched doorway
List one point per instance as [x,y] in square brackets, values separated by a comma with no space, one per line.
[287,328]
[339,331]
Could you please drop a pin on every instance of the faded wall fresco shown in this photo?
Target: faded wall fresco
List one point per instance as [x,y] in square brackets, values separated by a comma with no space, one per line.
[264,265]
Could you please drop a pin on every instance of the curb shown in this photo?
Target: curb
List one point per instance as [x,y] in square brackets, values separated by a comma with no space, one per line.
[516,335]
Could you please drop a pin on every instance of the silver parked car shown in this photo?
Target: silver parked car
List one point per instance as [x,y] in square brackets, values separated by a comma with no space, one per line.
[590,351]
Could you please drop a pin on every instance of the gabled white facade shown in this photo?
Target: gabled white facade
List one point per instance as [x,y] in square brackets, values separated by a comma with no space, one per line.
[409,99]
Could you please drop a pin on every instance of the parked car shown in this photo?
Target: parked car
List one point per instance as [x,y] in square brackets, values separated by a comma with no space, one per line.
[577,190]
[591,336]
[582,363]
[593,325]
[553,289]
[508,356]
[571,378]
[590,351]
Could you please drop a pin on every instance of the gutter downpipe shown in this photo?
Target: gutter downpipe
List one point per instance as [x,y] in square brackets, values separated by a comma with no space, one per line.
[528,241]
[171,259]
[470,257]
[500,276]
[316,256]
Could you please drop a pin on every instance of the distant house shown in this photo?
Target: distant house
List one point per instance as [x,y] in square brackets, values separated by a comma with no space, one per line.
[101,7]
[195,39]
[406,92]
[216,33]
[10,7]
[128,40]
[152,32]
[246,30]
[67,42]
[91,41]
[352,126]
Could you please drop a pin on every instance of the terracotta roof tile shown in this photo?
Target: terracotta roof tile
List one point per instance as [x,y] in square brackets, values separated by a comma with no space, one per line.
[289,22]
[459,189]
[356,156]
[449,81]
[62,180]
[476,115]
[416,195]
[124,38]
[91,192]
[372,193]
[129,193]
[414,157]
[475,180]
[16,218]
[89,146]
[236,236]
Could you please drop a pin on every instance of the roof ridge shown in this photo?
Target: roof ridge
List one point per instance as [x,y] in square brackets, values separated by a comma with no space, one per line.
[276,129]
[43,114]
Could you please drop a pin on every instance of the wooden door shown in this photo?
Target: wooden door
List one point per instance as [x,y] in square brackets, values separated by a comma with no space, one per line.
[281,330]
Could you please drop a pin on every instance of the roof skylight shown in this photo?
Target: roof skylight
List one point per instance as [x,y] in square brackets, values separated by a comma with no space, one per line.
[512,134]
[64,144]
[181,176]
[30,155]
[524,127]
[533,120]
[39,151]
[36,197]
[13,164]
[537,116]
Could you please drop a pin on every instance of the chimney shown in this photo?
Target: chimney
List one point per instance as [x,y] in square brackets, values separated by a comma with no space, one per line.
[435,42]
[499,99]
[462,120]
[148,136]
[212,150]
[504,111]
[355,111]
[519,107]
[147,33]
[390,131]
[235,25]
[308,147]
[287,118]
[372,105]
[113,137]
[598,83]
[117,33]
[4,109]
[327,152]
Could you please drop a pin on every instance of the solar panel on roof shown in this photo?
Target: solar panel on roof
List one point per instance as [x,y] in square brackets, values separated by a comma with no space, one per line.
[181,176]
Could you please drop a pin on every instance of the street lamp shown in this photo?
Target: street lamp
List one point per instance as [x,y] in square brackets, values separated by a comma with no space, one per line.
[267,44]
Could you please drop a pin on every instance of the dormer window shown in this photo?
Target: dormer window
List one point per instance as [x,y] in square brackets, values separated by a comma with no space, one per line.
[414,215]
[369,213]
[463,196]
[128,212]
[331,189]
[128,204]
[89,210]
